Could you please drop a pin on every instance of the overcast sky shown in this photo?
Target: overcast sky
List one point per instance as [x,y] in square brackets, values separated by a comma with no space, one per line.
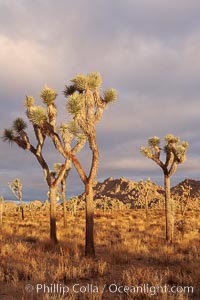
[146,49]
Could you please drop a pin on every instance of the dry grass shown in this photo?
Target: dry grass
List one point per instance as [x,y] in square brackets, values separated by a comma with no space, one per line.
[129,252]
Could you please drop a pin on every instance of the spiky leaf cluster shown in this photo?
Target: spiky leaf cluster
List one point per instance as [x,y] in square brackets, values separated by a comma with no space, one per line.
[19,124]
[171,139]
[63,128]
[74,104]
[29,101]
[176,148]
[70,127]
[110,95]
[69,90]
[146,152]
[80,82]
[8,135]
[48,95]
[38,115]
[73,128]
[57,167]
[94,80]
[154,142]
[17,183]
[185,145]
[181,151]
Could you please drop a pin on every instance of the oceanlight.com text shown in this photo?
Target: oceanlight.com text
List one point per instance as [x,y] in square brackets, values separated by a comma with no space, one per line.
[113,288]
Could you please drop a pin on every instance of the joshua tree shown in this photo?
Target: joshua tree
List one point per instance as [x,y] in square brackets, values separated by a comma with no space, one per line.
[16,188]
[144,188]
[184,199]
[72,206]
[175,154]
[86,106]
[43,122]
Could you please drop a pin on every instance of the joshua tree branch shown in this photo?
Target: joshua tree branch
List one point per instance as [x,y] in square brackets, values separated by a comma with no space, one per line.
[173,168]
[95,156]
[66,154]
[61,173]
[78,146]
[40,138]
[13,190]
[27,146]
[158,161]
[168,158]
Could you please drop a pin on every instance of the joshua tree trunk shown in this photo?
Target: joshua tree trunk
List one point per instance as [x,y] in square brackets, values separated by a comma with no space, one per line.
[63,191]
[168,210]
[89,238]
[147,206]
[22,212]
[21,207]
[53,196]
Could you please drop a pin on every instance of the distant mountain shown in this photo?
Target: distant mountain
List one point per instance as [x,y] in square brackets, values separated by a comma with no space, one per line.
[194,184]
[124,190]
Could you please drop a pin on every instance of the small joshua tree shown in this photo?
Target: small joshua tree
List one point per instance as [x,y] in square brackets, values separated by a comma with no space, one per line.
[145,189]
[185,198]
[16,188]
[183,202]
[175,152]
[73,206]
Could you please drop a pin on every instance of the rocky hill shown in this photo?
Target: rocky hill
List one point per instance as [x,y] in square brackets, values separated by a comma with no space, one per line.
[194,184]
[124,190]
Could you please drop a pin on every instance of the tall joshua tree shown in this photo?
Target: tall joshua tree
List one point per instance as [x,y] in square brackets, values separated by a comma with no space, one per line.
[43,121]
[16,188]
[175,152]
[86,106]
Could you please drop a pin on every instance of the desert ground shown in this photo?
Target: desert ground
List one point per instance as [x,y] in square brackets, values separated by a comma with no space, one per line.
[130,252]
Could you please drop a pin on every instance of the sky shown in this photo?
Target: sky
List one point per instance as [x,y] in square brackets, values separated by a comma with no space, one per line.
[146,49]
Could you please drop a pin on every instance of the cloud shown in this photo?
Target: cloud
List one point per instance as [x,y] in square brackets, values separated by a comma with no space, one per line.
[147,50]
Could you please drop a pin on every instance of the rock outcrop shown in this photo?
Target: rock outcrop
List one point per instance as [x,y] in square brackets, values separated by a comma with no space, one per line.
[123,190]
[194,184]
